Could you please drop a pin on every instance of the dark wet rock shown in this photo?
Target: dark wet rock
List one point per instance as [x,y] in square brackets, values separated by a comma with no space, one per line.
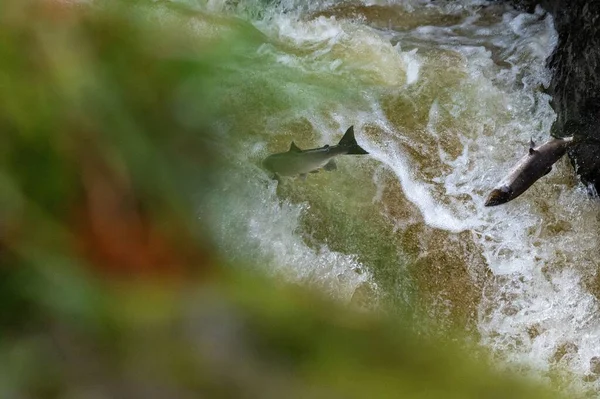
[575,86]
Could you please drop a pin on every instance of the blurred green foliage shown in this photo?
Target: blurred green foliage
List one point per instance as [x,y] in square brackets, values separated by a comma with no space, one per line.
[109,287]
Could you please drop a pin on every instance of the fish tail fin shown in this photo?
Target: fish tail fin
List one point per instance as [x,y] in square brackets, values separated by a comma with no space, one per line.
[349,142]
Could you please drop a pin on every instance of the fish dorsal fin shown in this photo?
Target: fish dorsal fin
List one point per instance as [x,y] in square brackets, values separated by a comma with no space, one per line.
[531,147]
[348,140]
[294,147]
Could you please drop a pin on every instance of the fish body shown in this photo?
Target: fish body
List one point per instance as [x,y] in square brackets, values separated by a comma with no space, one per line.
[301,162]
[536,164]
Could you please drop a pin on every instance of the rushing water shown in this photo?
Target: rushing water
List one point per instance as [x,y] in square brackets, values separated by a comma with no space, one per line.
[445,97]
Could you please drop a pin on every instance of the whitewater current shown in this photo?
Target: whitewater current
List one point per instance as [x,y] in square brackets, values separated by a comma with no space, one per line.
[445,98]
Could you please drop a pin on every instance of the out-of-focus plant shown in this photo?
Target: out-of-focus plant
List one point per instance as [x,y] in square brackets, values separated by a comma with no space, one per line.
[109,286]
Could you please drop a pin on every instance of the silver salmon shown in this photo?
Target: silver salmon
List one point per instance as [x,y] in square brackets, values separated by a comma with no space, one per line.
[300,162]
[536,164]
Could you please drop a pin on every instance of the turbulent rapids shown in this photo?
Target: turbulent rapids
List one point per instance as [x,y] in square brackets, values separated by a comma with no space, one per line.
[444,98]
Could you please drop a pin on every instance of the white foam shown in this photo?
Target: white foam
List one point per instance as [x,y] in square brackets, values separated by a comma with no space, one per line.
[419,193]
[253,226]
[412,66]
[344,47]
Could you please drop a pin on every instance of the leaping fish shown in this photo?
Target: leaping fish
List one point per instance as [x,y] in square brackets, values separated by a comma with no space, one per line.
[301,162]
[536,164]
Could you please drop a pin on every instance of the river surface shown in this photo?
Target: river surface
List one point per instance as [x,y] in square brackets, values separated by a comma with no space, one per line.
[445,97]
